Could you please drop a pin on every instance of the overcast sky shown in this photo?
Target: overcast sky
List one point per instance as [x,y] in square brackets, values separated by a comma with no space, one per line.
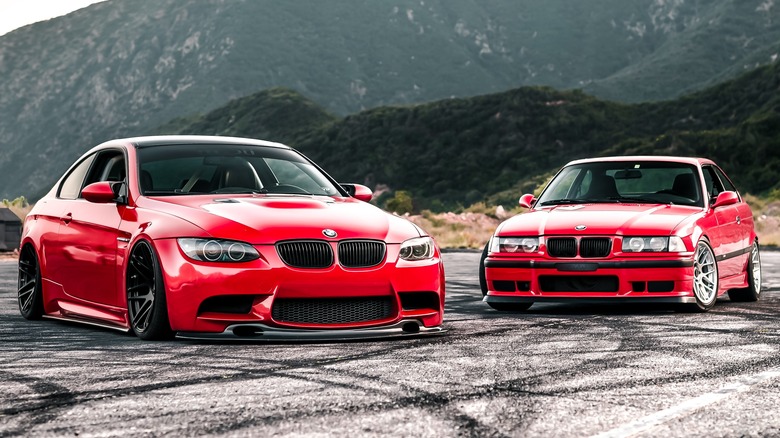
[18,13]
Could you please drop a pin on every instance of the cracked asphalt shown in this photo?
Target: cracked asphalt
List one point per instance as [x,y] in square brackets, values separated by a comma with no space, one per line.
[556,370]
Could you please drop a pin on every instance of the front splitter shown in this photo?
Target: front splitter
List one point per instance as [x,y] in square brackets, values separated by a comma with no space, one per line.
[502,299]
[407,328]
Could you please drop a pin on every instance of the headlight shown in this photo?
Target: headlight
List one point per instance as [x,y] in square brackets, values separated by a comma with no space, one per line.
[217,250]
[514,244]
[653,244]
[420,248]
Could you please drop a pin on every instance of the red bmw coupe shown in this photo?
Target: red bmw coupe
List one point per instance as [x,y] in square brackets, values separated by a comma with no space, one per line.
[216,237]
[626,229]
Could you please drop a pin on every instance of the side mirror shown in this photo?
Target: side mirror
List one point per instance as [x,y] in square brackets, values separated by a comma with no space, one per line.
[359,191]
[725,198]
[526,200]
[104,192]
[99,192]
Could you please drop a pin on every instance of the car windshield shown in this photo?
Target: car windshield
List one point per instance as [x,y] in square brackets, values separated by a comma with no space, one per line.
[625,181]
[228,169]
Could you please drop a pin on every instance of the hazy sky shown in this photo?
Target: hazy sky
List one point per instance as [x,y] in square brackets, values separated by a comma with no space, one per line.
[17,13]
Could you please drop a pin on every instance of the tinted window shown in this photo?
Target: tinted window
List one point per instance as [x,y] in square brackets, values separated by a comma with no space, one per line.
[727,185]
[193,169]
[624,181]
[711,182]
[109,166]
[74,182]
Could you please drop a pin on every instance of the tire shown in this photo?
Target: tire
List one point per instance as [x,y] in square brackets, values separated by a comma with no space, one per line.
[482,279]
[147,309]
[511,307]
[29,292]
[705,278]
[753,291]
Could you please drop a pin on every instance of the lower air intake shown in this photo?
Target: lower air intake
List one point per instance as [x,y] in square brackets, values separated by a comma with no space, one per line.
[331,311]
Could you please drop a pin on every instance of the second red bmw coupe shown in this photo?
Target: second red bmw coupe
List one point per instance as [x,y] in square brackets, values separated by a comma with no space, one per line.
[626,229]
[212,237]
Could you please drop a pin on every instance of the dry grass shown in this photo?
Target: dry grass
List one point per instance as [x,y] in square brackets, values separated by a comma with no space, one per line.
[453,230]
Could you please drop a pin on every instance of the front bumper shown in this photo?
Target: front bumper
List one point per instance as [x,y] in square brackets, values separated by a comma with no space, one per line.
[657,280]
[265,333]
[190,285]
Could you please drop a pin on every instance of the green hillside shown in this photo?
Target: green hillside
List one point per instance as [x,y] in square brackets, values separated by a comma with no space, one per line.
[456,152]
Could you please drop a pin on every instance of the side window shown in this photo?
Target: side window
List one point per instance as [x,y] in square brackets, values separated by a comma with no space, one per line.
[727,185]
[71,186]
[109,166]
[711,182]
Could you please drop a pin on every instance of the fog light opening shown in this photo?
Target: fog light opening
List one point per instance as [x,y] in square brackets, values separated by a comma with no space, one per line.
[411,327]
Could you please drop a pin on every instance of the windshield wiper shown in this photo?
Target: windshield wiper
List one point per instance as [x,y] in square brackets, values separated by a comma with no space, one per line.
[638,199]
[237,191]
[569,201]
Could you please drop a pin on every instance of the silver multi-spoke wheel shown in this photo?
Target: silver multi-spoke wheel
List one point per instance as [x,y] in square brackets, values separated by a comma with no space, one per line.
[753,277]
[755,264]
[29,291]
[146,295]
[705,276]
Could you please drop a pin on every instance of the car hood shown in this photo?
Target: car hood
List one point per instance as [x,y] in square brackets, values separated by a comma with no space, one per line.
[269,219]
[602,219]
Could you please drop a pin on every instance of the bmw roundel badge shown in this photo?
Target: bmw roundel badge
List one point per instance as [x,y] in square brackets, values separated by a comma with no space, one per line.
[580,227]
[329,233]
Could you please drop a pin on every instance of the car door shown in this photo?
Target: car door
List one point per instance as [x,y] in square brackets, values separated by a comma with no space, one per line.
[744,217]
[51,211]
[87,237]
[726,237]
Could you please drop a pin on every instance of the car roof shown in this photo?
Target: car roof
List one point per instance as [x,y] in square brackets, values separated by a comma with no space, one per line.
[165,140]
[662,158]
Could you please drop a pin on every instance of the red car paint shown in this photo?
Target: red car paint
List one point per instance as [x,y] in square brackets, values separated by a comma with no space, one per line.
[515,280]
[82,249]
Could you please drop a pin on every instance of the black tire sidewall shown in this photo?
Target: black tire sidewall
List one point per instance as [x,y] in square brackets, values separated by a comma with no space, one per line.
[159,326]
[36,308]
[482,277]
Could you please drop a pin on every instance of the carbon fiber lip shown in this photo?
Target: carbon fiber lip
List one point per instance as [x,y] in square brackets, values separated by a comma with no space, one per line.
[263,333]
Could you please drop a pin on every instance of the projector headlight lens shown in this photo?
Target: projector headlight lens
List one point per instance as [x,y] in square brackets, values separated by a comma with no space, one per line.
[653,244]
[218,250]
[419,248]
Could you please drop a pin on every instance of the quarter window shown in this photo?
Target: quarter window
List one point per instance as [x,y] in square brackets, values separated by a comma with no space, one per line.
[74,182]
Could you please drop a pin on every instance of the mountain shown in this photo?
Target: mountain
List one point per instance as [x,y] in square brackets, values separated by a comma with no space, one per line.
[121,67]
[456,152]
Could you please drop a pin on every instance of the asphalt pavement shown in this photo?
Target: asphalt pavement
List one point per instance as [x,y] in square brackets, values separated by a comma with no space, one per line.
[556,370]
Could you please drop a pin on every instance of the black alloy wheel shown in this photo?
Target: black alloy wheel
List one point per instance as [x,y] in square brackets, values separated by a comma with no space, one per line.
[29,291]
[146,303]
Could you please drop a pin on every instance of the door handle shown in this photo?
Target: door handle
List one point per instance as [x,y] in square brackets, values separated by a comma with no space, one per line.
[67,218]
[739,220]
